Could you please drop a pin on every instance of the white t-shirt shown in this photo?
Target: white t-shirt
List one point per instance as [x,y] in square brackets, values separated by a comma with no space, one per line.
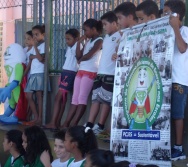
[76,164]
[28,53]
[71,61]
[107,65]
[92,64]
[180,61]
[36,65]
[58,163]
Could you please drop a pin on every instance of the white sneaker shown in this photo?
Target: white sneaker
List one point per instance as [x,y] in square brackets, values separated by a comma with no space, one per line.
[85,125]
[97,130]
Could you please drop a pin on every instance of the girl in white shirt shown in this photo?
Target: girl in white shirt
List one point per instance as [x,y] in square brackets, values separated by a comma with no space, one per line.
[88,59]
[68,74]
[79,141]
[36,79]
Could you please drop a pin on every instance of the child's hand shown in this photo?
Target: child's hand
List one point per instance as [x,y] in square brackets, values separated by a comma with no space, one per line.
[45,158]
[114,57]
[174,21]
[82,38]
[31,58]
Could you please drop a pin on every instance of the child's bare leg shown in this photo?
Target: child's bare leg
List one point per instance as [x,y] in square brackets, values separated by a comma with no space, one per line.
[93,114]
[179,131]
[40,103]
[105,110]
[79,113]
[57,105]
[70,116]
[60,114]
[32,105]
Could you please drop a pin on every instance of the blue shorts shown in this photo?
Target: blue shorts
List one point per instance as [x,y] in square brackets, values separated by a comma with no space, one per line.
[178,100]
[67,80]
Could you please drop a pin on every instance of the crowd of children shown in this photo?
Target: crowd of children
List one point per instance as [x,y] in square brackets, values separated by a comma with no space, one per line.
[74,147]
[91,67]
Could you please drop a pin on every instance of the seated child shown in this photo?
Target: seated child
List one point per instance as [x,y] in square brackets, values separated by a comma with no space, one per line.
[59,149]
[13,144]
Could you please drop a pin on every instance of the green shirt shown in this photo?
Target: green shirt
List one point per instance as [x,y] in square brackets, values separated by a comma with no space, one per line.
[37,163]
[11,162]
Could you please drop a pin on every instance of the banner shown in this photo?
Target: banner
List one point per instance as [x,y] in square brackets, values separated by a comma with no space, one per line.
[140,126]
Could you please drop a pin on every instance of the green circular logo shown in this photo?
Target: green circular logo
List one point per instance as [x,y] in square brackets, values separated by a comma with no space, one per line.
[143,94]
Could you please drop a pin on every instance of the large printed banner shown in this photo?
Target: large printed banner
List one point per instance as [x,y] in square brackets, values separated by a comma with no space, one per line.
[140,128]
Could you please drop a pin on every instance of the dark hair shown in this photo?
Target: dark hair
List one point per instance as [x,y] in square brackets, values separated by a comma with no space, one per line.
[92,23]
[37,142]
[148,7]
[73,32]
[121,164]
[60,135]
[15,136]
[160,13]
[126,8]
[86,140]
[41,28]
[109,16]
[29,33]
[101,158]
[176,6]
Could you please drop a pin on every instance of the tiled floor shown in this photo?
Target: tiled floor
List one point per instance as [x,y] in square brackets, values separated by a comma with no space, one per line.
[102,145]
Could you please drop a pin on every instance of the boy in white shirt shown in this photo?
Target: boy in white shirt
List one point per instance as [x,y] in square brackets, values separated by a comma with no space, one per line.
[103,84]
[179,72]
[59,149]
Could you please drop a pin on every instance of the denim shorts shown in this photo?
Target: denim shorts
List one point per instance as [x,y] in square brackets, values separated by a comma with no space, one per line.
[178,100]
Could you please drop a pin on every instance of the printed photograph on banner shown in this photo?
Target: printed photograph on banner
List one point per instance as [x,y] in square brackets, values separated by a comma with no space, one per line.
[163,121]
[121,76]
[160,151]
[118,97]
[119,121]
[120,148]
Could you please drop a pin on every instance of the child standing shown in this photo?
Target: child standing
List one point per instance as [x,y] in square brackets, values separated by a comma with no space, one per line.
[88,58]
[13,144]
[59,149]
[38,151]
[146,11]
[28,50]
[79,141]
[179,73]
[36,79]
[125,13]
[67,78]
[103,84]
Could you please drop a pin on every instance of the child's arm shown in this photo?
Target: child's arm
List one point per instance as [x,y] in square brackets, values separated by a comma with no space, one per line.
[45,159]
[175,23]
[79,52]
[38,55]
[27,68]
[97,46]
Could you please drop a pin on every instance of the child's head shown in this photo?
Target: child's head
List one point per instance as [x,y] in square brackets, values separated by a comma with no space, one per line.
[13,140]
[92,28]
[125,13]
[99,158]
[175,6]
[72,36]
[59,147]
[80,138]
[146,11]
[29,38]
[34,143]
[38,32]
[109,21]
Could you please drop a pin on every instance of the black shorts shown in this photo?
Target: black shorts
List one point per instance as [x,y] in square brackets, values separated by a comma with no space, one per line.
[103,89]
